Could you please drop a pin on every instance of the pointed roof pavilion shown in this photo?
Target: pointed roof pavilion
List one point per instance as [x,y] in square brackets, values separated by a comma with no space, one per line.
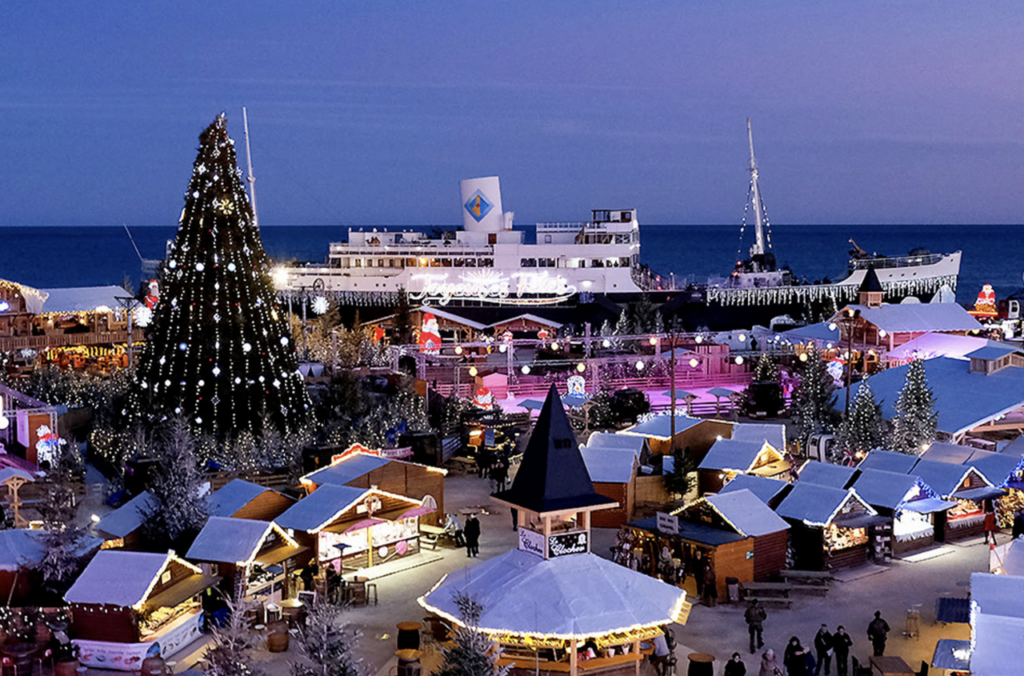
[871,283]
[552,476]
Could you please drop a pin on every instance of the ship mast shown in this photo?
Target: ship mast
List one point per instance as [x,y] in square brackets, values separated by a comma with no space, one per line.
[252,179]
[759,245]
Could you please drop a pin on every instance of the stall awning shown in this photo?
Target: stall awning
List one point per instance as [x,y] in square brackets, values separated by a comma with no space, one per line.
[416,511]
[975,494]
[184,590]
[362,525]
[952,654]
[861,521]
[927,505]
[951,610]
[532,404]
[279,554]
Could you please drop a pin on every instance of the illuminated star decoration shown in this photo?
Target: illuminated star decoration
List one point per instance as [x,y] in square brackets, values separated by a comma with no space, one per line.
[320,305]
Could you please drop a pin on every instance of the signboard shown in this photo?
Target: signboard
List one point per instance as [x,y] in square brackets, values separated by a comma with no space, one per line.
[668,524]
[567,543]
[493,286]
[531,541]
[129,656]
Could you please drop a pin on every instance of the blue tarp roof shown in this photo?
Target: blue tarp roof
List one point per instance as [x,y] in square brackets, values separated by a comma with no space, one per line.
[764,488]
[532,404]
[888,461]
[747,513]
[349,469]
[609,465]
[732,454]
[963,400]
[884,489]
[233,496]
[225,540]
[660,426]
[128,517]
[319,509]
[827,474]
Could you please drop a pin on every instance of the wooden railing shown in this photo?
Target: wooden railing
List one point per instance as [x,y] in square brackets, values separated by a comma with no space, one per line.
[279,481]
[658,383]
[10,343]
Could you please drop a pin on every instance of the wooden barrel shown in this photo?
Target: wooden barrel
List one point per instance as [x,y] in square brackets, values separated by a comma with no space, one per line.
[154,666]
[278,643]
[66,668]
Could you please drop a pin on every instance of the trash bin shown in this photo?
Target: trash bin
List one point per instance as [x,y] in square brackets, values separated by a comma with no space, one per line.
[732,589]
[701,664]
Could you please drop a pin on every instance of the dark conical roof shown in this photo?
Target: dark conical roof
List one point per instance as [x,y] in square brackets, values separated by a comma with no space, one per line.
[552,475]
[871,283]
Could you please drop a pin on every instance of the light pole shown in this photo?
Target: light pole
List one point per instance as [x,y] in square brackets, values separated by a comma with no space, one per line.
[129,303]
[849,321]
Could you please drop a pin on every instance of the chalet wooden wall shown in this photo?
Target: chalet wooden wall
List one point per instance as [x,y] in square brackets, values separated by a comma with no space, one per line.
[770,555]
[91,623]
[624,494]
[730,560]
[266,506]
[407,479]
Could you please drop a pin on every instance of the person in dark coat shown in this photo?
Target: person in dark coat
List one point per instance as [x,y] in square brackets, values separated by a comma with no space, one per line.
[755,617]
[990,522]
[1018,524]
[841,644]
[499,474]
[698,574]
[472,535]
[793,658]
[735,666]
[878,631]
[823,649]
[710,585]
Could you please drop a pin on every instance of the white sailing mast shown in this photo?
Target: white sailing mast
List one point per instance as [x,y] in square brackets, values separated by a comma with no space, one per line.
[252,179]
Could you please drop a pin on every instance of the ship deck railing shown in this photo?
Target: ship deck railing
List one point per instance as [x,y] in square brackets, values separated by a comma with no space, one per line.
[895,261]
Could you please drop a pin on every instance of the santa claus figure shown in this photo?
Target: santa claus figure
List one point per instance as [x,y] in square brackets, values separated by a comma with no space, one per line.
[153,295]
[483,399]
[506,336]
[378,334]
[543,334]
[985,306]
[430,336]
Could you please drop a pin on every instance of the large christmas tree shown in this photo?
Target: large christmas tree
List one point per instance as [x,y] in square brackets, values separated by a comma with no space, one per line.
[219,350]
[862,431]
[916,420]
[813,398]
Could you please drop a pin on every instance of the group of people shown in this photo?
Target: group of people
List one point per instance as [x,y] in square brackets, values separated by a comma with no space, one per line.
[467,536]
[812,660]
[666,564]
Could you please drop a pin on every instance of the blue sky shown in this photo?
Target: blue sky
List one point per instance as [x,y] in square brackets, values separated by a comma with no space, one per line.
[371,112]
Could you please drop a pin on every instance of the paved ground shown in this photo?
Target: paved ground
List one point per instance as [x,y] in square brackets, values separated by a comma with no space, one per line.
[719,631]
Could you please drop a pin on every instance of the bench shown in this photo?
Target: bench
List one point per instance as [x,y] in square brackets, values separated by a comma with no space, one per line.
[816,589]
[775,601]
[780,588]
[819,577]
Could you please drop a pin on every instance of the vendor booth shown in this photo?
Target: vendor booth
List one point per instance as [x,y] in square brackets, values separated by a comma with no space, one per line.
[122,528]
[729,457]
[831,526]
[968,488]
[551,604]
[245,500]
[769,491]
[356,528]
[828,474]
[126,604]
[614,473]
[696,434]
[1002,471]
[909,504]
[256,559]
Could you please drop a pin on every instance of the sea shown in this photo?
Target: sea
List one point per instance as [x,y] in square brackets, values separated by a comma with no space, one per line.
[60,256]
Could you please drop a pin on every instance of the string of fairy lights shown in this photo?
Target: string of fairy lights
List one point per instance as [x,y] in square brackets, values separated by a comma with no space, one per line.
[219,349]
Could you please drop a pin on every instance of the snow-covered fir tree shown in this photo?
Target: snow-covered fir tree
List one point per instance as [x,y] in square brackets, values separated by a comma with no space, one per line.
[234,646]
[219,349]
[62,538]
[862,431]
[916,419]
[178,511]
[472,653]
[813,397]
[325,644]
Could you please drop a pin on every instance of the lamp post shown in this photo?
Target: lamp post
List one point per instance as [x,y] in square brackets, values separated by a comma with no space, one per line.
[849,321]
[129,303]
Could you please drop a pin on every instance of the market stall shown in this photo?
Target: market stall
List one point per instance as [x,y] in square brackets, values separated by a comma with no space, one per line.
[769,491]
[1006,472]
[246,500]
[830,526]
[964,485]
[729,457]
[356,528]
[551,604]
[256,559]
[908,503]
[125,604]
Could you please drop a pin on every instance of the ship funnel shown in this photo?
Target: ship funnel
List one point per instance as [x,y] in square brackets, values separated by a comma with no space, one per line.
[481,205]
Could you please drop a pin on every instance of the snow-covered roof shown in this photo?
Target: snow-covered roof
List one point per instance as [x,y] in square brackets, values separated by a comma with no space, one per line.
[963,399]
[998,594]
[943,477]
[660,426]
[23,548]
[996,644]
[226,540]
[348,469]
[816,505]
[827,474]
[772,433]
[917,317]
[579,595]
[747,513]
[993,351]
[34,298]
[819,334]
[83,298]
[954,454]
[1014,448]
[611,440]
[128,517]
[119,578]
[12,472]
[763,487]
[233,496]
[888,461]
[937,345]
[730,454]
[884,489]
[996,467]
[321,508]
[609,465]
[529,317]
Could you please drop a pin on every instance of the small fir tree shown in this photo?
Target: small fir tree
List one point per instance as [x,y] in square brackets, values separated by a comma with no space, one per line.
[472,653]
[765,371]
[403,318]
[219,350]
[681,479]
[178,511]
[916,419]
[862,431]
[325,644]
[624,326]
[62,539]
[234,646]
[813,397]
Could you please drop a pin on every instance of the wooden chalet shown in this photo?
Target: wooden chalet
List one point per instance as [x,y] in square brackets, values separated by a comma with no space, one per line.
[241,499]
[122,528]
[613,472]
[125,603]
[696,434]
[729,457]
[908,503]
[966,486]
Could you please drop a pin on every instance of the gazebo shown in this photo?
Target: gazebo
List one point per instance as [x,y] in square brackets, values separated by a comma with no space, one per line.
[542,600]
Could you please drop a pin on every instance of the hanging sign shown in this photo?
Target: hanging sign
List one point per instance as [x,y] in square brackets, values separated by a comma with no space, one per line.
[667,523]
[567,543]
[531,541]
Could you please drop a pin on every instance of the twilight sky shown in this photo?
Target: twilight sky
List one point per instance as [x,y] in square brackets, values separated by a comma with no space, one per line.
[371,112]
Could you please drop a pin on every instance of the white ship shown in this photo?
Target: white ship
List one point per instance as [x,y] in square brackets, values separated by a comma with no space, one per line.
[486,263]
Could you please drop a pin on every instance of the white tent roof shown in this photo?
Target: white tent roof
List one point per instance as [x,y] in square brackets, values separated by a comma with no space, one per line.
[34,298]
[660,426]
[83,298]
[577,595]
[747,513]
[917,318]
[997,623]
[937,345]
[609,465]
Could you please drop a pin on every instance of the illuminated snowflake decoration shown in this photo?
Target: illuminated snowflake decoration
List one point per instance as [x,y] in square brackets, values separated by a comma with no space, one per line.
[143,316]
[320,305]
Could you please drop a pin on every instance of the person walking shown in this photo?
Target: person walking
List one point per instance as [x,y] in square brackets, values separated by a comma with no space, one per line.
[472,534]
[710,585]
[823,649]
[755,617]
[735,666]
[793,658]
[698,574]
[499,474]
[990,522]
[769,664]
[878,632]
[841,644]
[453,526]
